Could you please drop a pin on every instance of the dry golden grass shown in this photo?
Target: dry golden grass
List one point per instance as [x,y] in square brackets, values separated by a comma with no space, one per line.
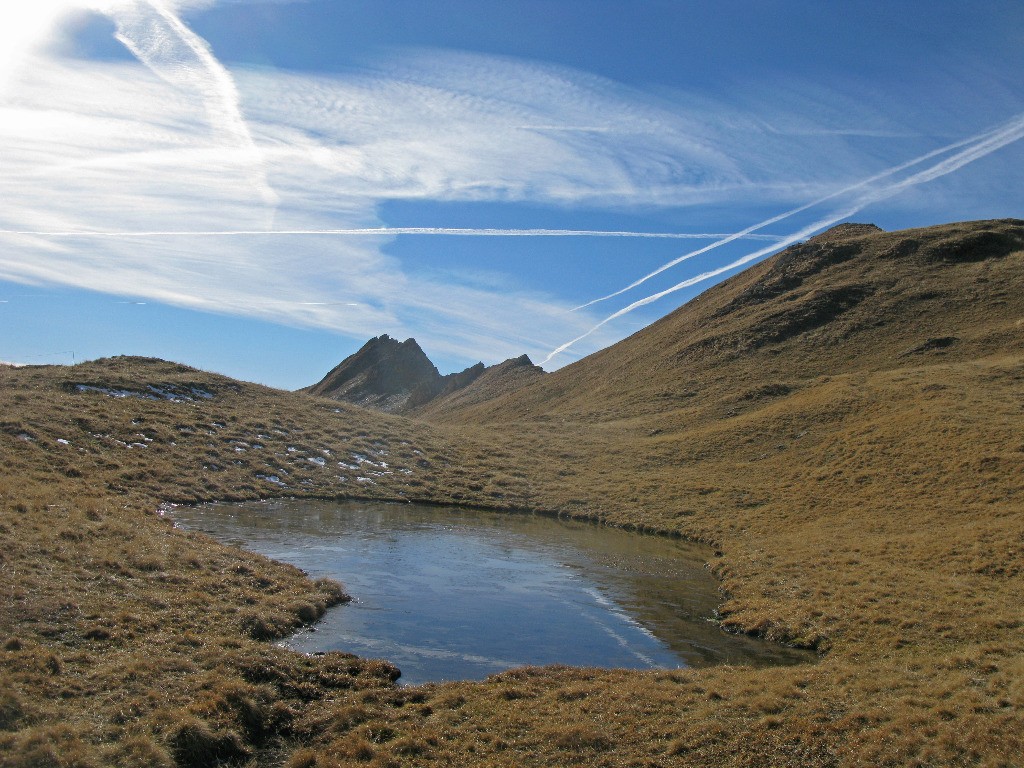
[843,423]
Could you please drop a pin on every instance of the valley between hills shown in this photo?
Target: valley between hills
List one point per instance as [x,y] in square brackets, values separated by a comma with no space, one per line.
[843,423]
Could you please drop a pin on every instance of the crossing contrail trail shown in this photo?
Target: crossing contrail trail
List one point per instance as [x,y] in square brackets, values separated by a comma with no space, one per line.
[163,42]
[389,231]
[746,233]
[978,147]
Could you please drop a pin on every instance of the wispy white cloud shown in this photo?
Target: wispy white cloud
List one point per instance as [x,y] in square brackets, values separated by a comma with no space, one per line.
[199,160]
[155,33]
[395,231]
[112,148]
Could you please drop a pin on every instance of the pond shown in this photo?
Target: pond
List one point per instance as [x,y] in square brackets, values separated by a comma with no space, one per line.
[450,594]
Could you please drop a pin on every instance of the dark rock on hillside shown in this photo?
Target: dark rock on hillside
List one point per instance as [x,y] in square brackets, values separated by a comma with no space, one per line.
[489,384]
[397,377]
[383,375]
[799,262]
[816,309]
[976,246]
[442,386]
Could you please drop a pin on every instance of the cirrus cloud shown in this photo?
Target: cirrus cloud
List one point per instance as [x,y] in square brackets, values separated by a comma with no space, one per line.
[178,143]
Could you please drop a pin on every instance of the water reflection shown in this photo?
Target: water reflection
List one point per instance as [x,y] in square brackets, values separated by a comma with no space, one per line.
[459,594]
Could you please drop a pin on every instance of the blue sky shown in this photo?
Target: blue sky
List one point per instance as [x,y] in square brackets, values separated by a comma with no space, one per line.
[207,181]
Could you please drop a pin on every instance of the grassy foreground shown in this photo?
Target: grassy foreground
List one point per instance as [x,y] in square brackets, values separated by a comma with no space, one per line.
[844,424]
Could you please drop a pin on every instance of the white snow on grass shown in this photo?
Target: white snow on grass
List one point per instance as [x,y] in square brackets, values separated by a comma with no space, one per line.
[113,392]
[167,392]
[272,479]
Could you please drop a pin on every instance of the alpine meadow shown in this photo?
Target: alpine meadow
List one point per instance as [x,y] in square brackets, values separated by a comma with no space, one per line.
[842,423]
[511,384]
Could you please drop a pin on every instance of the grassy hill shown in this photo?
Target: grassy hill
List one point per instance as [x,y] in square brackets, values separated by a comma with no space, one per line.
[843,423]
[853,299]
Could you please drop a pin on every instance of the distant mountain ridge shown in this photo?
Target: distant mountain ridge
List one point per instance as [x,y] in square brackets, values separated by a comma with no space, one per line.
[397,377]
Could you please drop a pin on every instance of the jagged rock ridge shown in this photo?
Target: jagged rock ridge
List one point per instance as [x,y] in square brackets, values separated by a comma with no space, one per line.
[382,375]
[397,377]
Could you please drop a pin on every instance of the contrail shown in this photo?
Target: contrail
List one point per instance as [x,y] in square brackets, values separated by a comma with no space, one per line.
[176,54]
[746,233]
[980,145]
[390,231]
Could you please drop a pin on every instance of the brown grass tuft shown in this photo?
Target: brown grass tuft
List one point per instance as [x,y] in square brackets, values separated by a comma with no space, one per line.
[195,745]
[580,738]
[141,752]
[11,708]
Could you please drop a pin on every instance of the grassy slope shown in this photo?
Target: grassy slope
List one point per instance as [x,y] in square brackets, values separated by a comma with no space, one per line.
[865,497]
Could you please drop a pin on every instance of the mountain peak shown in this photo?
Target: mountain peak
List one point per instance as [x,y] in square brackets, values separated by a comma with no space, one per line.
[382,375]
[398,377]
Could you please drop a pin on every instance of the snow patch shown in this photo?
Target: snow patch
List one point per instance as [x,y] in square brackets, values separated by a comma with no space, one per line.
[272,479]
[169,392]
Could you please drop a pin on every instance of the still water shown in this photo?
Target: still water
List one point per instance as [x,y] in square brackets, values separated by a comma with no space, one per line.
[450,594]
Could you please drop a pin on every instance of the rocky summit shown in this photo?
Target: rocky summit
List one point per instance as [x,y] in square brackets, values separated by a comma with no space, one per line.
[397,377]
[383,375]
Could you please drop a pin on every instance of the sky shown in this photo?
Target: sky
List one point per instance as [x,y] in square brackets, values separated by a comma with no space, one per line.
[257,187]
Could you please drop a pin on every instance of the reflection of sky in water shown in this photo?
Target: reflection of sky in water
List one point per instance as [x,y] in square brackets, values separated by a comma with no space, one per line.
[458,594]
